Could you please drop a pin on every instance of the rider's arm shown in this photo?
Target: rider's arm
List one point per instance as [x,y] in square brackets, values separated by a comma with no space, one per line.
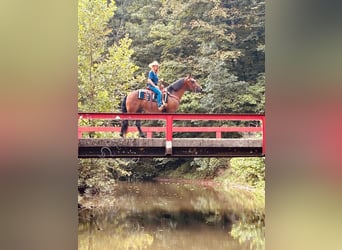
[151,82]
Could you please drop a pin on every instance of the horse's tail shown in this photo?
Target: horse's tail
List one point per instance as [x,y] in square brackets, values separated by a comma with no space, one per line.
[123,105]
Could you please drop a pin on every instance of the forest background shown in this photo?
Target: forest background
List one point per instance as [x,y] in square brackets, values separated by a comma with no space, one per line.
[222,43]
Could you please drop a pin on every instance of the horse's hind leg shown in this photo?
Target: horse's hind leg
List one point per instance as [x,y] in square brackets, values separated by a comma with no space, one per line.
[124,124]
[138,124]
[124,128]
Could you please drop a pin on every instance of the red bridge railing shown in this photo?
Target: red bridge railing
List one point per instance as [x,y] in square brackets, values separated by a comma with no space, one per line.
[169,128]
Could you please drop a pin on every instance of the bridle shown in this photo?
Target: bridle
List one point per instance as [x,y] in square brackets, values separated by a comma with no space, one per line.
[193,86]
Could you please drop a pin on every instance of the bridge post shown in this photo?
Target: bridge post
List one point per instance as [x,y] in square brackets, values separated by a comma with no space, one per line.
[149,134]
[218,135]
[168,143]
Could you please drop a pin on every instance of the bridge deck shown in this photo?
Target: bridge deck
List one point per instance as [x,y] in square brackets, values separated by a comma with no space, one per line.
[156,147]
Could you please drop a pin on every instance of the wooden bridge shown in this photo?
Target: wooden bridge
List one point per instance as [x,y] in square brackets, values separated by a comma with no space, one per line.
[168,139]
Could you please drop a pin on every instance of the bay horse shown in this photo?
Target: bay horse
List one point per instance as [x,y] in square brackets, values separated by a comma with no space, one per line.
[140,101]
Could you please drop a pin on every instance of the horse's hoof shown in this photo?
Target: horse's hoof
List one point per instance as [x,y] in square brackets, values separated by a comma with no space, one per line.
[121,135]
[142,135]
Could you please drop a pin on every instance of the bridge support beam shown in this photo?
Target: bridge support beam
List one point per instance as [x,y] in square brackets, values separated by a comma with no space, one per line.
[160,148]
[168,148]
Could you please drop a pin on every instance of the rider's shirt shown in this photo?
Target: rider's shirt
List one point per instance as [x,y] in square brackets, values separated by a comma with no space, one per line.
[153,76]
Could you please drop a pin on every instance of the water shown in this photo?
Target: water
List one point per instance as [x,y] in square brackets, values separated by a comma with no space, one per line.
[173,215]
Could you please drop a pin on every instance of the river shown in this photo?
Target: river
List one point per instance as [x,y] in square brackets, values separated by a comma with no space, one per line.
[173,215]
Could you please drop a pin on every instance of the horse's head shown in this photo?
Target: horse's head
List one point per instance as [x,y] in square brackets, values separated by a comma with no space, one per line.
[192,84]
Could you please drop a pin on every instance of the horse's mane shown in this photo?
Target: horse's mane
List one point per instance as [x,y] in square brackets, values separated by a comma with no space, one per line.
[176,85]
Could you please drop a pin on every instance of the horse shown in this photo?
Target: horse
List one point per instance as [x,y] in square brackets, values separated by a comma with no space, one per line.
[140,101]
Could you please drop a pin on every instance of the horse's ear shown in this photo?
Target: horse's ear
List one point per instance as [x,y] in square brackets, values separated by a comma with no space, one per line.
[190,75]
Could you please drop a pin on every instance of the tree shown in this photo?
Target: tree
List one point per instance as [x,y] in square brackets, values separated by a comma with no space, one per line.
[246,21]
[222,43]
[104,73]
[223,90]
[135,17]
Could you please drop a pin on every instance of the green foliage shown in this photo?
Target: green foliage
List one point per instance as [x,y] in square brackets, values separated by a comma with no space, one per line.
[94,176]
[186,33]
[252,100]
[196,168]
[249,170]
[221,43]
[97,176]
[250,231]
[226,94]
[104,72]
[142,169]
[209,166]
[246,28]
[135,17]
[224,88]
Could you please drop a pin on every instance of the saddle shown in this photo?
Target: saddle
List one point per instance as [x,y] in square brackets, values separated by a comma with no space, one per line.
[148,95]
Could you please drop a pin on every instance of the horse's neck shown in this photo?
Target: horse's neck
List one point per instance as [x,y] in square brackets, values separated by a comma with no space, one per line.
[179,93]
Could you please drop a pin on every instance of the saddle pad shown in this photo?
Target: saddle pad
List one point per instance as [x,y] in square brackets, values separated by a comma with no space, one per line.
[143,95]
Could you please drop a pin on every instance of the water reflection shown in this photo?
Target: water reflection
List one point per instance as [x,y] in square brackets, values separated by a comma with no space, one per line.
[167,215]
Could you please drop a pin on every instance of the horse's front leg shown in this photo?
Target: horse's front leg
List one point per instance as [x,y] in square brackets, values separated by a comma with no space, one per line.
[138,124]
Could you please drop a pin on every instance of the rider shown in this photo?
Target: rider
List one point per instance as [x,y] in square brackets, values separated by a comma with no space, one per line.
[152,83]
